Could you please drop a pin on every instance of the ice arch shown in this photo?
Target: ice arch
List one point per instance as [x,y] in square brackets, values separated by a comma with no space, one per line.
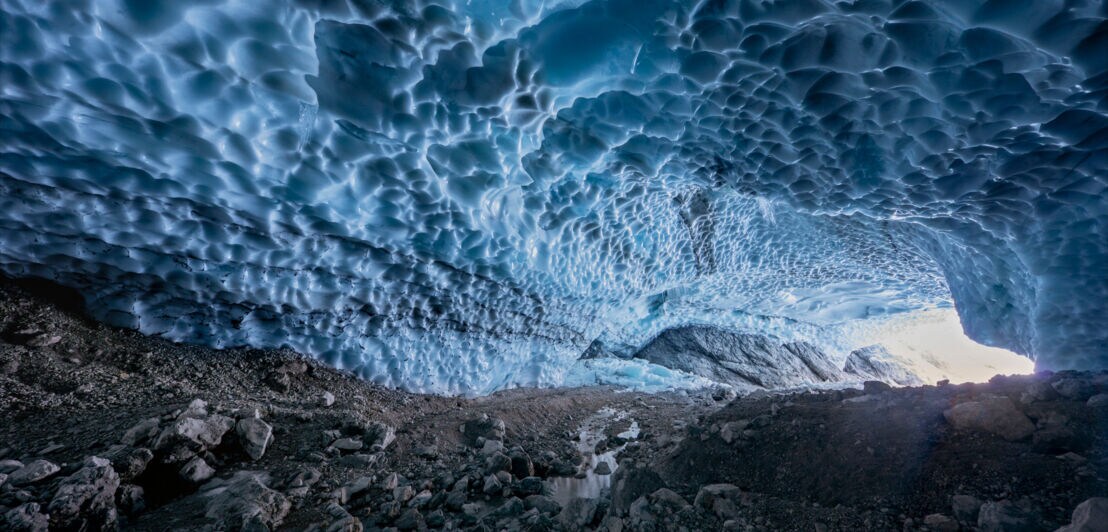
[461,196]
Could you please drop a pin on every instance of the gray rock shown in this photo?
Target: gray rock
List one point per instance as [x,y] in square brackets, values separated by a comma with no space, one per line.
[511,508]
[710,495]
[484,427]
[732,430]
[1099,400]
[348,523]
[142,431]
[379,436]
[86,499]
[470,512]
[435,519]
[602,468]
[543,504]
[491,447]
[628,484]
[492,486]
[130,462]
[343,494]
[1038,391]
[9,466]
[187,436]
[497,462]
[456,500]
[410,520]
[348,444]
[666,501]
[245,501]
[1089,516]
[1006,516]
[32,472]
[26,517]
[577,513]
[420,499]
[254,436]
[131,499]
[529,486]
[1074,388]
[402,494]
[996,415]
[326,399]
[196,471]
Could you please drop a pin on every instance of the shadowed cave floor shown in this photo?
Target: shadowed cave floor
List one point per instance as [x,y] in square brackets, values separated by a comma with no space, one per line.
[378,458]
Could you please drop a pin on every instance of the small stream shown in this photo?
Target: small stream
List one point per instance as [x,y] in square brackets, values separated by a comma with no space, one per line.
[592,432]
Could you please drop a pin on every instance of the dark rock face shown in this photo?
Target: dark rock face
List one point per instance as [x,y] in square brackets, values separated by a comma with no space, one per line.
[740,359]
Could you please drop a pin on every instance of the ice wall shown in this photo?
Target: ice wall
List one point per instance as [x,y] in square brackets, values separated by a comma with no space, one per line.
[462,196]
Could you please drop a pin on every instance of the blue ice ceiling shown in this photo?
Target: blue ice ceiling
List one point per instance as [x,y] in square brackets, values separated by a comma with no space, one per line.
[459,197]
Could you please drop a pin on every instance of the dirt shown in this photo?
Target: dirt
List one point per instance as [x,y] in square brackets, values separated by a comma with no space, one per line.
[71,388]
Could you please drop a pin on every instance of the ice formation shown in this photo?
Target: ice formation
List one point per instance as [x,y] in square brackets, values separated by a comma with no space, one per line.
[463,196]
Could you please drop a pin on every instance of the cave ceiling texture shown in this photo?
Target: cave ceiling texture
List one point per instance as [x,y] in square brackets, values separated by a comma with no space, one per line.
[460,197]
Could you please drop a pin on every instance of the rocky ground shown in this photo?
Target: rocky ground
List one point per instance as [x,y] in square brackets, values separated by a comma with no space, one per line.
[102,428]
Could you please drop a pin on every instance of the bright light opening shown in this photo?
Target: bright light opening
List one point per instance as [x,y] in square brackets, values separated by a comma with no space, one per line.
[932,344]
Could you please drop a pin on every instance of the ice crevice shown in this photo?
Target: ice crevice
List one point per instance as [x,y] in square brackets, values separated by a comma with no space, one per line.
[464,196]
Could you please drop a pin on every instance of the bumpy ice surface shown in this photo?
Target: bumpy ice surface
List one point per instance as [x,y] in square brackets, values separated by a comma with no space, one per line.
[463,196]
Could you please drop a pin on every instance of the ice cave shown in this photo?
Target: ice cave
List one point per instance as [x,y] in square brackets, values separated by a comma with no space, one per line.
[464,196]
[554,265]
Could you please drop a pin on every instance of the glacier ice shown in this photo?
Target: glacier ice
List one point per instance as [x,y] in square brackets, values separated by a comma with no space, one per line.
[461,196]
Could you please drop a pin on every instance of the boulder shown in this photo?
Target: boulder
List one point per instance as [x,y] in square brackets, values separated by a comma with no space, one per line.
[1089,516]
[1099,400]
[1006,516]
[665,501]
[732,430]
[26,517]
[245,502]
[578,513]
[602,468]
[529,486]
[32,472]
[85,500]
[484,428]
[196,471]
[492,486]
[187,436]
[131,499]
[710,495]
[142,431]
[379,436]
[326,399]
[254,436]
[629,483]
[130,462]
[543,504]
[9,466]
[1076,389]
[410,520]
[995,415]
